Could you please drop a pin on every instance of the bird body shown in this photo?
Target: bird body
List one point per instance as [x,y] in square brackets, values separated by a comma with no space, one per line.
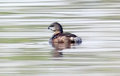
[62,37]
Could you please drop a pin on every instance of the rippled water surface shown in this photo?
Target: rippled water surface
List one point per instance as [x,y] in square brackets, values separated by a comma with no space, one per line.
[24,46]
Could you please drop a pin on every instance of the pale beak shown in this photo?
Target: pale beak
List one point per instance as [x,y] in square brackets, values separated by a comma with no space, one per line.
[51,28]
[48,27]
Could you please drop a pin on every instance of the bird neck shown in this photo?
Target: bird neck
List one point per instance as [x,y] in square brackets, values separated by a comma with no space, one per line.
[57,32]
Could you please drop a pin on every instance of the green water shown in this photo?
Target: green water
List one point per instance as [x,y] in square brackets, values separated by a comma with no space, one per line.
[24,46]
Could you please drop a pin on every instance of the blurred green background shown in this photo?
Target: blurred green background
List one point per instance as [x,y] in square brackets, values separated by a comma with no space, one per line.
[24,46]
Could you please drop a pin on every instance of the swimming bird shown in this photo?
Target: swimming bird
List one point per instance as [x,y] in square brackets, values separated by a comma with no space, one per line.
[62,37]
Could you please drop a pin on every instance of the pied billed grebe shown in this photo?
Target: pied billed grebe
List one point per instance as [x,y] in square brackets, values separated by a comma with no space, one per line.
[62,37]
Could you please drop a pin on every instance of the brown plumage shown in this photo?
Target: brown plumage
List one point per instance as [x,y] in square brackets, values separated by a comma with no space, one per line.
[62,37]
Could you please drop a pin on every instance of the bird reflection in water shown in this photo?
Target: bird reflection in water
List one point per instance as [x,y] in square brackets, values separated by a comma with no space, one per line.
[62,40]
[58,47]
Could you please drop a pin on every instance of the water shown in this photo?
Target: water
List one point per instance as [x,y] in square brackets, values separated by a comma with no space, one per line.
[24,47]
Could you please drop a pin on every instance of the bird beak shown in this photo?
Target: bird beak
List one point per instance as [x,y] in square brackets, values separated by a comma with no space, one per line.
[51,28]
[48,27]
